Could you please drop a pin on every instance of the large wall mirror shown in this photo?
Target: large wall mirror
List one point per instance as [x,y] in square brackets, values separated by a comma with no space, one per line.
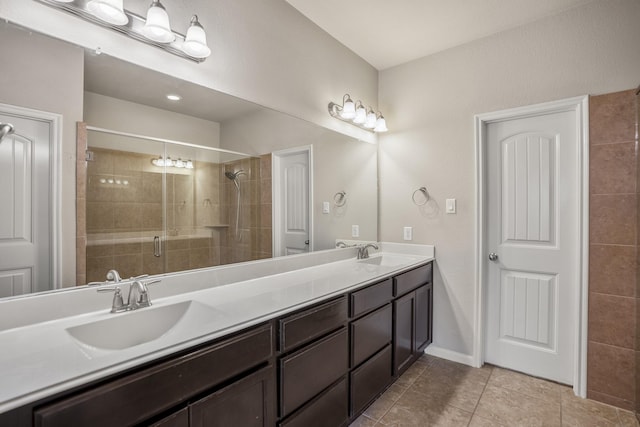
[171,185]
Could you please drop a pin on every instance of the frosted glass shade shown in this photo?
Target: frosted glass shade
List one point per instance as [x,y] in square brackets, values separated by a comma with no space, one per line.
[370,123]
[348,109]
[110,11]
[157,27]
[361,115]
[195,43]
[381,125]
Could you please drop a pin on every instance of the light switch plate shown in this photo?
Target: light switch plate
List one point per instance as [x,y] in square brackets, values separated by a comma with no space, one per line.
[408,233]
[326,207]
[355,231]
[451,206]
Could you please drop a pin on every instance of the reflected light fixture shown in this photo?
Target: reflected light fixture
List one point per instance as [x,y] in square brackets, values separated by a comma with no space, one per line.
[174,97]
[358,115]
[154,29]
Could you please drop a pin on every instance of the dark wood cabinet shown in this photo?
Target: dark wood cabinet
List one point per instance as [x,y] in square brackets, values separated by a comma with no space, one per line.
[143,395]
[404,309]
[319,366]
[424,317]
[330,408]
[310,370]
[249,402]
[177,419]
[370,379]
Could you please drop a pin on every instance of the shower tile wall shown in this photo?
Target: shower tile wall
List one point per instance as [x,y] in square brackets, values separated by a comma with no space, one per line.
[123,218]
[637,343]
[253,239]
[613,242]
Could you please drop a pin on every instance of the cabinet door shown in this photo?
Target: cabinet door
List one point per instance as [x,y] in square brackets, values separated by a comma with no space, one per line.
[179,419]
[249,402]
[404,332]
[424,313]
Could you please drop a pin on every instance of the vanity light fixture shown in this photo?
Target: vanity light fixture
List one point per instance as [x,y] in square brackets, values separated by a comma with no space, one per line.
[169,163]
[154,29]
[358,115]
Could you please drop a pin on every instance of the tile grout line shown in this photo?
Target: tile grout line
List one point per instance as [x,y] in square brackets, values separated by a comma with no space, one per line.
[475,408]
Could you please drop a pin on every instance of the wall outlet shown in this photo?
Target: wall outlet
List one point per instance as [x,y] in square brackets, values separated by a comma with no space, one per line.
[408,233]
[326,207]
[355,231]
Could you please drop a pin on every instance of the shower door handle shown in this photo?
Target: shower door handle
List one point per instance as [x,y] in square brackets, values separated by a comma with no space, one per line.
[157,246]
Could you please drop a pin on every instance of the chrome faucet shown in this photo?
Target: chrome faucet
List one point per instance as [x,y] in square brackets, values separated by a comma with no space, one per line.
[112,277]
[363,251]
[341,244]
[138,295]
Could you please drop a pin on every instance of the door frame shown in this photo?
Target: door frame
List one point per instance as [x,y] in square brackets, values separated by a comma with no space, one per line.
[54,121]
[580,105]
[276,191]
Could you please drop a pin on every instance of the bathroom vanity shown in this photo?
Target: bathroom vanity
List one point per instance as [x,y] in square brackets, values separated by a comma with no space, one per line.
[320,351]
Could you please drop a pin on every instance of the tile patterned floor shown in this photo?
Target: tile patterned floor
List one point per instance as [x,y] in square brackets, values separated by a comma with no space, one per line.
[437,392]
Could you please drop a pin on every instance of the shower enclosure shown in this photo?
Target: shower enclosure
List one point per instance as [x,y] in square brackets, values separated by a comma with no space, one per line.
[155,206]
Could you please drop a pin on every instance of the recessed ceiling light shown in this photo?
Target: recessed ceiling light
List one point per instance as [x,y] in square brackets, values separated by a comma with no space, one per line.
[172,97]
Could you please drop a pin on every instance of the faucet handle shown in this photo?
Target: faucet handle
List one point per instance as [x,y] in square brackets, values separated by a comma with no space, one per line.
[118,302]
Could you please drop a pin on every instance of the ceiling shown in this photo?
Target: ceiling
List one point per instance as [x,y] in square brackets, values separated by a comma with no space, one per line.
[387,33]
[108,76]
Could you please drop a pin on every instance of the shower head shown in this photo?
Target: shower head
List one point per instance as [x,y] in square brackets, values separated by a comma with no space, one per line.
[234,175]
[5,129]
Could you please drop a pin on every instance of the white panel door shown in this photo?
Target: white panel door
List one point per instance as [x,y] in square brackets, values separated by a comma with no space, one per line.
[293,215]
[25,208]
[533,231]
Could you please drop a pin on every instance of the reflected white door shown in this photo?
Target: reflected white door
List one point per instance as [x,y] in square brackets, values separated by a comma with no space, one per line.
[291,202]
[533,230]
[25,208]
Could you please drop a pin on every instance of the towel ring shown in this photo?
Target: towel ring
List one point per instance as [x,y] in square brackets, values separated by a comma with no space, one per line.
[340,198]
[424,192]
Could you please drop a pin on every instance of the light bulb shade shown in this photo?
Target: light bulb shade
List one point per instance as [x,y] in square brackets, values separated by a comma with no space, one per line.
[157,27]
[381,125]
[195,43]
[110,11]
[370,122]
[179,163]
[189,164]
[361,115]
[348,108]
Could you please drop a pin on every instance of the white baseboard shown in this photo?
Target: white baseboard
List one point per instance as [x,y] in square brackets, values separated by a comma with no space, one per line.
[454,356]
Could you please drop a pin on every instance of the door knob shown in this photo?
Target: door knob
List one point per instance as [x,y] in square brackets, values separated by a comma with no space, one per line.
[493,256]
[306,242]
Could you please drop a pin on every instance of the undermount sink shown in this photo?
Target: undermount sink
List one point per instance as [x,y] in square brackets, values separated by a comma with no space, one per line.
[388,260]
[143,325]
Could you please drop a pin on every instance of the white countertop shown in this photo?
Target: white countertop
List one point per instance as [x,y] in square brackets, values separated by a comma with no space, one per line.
[40,359]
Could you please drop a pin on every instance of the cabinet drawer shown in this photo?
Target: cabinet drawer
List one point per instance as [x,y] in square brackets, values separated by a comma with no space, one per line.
[331,408]
[370,379]
[307,372]
[410,280]
[311,323]
[141,395]
[370,333]
[370,298]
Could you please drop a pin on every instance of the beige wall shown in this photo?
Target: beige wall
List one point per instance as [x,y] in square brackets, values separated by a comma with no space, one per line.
[263,51]
[49,78]
[430,104]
